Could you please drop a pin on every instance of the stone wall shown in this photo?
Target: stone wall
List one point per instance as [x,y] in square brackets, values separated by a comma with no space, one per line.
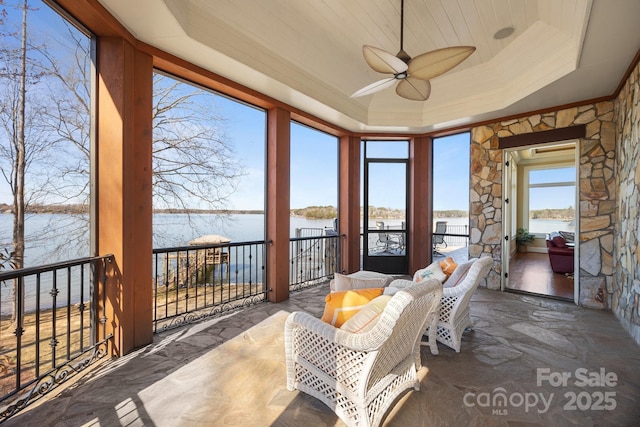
[625,298]
[597,189]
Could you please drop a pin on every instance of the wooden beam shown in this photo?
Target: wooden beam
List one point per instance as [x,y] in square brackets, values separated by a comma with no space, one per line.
[533,138]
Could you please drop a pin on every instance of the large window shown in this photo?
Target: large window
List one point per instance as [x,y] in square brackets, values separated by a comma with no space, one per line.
[45,136]
[451,194]
[313,181]
[551,195]
[208,165]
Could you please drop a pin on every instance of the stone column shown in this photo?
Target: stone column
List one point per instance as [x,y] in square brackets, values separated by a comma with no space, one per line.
[596,186]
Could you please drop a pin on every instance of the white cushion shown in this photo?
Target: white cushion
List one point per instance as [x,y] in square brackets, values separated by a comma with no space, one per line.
[365,319]
[401,283]
[359,280]
[432,271]
[459,274]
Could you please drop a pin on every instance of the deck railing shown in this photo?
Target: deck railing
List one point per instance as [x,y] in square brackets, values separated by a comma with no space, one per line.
[313,259]
[194,282]
[51,315]
[455,235]
[49,327]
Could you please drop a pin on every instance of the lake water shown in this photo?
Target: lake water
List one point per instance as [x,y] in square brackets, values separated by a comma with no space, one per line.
[53,238]
[44,246]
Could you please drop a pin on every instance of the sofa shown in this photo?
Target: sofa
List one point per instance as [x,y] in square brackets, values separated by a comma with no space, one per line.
[560,253]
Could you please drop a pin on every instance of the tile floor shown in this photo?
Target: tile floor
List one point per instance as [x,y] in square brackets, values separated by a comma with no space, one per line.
[530,361]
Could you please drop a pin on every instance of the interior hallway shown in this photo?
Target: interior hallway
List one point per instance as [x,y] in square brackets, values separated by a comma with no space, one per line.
[531,272]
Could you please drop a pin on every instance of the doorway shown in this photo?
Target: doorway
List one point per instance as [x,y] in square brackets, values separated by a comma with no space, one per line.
[540,203]
[385,186]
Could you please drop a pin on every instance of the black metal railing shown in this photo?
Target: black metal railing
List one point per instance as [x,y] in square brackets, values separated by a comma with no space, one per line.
[194,282]
[49,327]
[455,235]
[313,259]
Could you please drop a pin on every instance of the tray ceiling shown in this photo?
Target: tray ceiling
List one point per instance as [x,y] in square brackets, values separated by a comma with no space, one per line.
[308,53]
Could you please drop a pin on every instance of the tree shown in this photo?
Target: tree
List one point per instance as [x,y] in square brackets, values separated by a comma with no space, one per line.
[194,165]
[193,162]
[14,115]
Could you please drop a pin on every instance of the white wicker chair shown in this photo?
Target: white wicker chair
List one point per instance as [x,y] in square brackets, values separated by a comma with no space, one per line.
[454,308]
[359,376]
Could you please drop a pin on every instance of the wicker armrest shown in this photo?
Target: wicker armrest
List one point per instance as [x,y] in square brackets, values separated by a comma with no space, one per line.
[368,341]
[454,292]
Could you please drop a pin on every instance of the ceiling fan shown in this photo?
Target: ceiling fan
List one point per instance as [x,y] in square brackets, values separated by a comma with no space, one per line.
[412,75]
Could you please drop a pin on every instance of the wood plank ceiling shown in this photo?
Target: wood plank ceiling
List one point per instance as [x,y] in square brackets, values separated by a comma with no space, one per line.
[308,53]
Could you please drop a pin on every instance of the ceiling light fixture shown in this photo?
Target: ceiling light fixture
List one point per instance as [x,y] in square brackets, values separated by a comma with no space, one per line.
[412,75]
[503,33]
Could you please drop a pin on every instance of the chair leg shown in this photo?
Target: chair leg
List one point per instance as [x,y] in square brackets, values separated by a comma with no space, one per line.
[433,334]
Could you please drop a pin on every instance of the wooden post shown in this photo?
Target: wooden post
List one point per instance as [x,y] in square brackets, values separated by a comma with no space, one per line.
[421,202]
[278,197]
[349,203]
[123,210]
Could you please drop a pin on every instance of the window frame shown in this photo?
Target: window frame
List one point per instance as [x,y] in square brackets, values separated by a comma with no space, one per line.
[526,187]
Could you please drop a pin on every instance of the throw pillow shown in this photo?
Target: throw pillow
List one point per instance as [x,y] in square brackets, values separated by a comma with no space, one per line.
[390,290]
[365,319]
[433,270]
[343,282]
[459,274]
[340,306]
[448,266]
[401,284]
[569,236]
[558,240]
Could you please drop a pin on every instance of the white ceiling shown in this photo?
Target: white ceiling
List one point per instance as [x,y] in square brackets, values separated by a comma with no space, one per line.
[308,53]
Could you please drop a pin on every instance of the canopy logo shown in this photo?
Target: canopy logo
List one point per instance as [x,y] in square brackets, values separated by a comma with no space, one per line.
[595,400]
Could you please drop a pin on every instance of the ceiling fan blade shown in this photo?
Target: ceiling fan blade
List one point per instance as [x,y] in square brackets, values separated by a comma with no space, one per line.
[382,61]
[375,87]
[437,62]
[414,89]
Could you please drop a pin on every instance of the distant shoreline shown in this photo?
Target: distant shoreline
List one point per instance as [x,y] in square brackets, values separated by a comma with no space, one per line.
[81,209]
[311,212]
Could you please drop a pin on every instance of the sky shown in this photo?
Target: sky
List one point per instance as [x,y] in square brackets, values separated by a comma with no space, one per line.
[555,197]
[451,172]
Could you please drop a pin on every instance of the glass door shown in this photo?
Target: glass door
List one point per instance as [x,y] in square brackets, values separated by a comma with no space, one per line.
[385,218]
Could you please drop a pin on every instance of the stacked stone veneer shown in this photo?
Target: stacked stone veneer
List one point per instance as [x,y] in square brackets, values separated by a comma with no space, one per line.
[597,189]
[625,294]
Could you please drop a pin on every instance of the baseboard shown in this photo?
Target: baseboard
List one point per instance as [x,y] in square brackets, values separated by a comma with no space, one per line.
[537,250]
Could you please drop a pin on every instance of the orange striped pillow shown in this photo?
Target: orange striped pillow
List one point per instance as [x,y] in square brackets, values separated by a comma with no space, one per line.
[341,306]
[448,266]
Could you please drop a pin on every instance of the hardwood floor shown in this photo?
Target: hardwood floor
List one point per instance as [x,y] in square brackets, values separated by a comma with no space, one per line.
[531,272]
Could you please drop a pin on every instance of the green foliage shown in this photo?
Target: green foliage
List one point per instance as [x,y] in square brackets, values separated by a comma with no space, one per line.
[560,214]
[316,212]
[330,212]
[523,236]
[451,213]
